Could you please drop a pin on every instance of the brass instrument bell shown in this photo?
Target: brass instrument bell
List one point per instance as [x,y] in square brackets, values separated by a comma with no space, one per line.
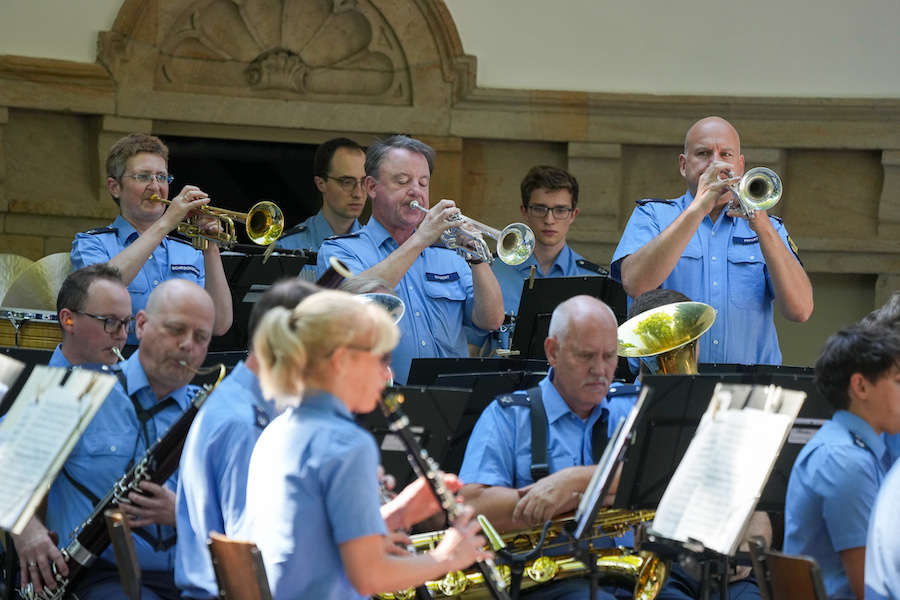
[264,223]
[665,338]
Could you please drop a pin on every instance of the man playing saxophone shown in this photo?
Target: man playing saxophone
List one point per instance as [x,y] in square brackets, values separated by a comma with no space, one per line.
[174,331]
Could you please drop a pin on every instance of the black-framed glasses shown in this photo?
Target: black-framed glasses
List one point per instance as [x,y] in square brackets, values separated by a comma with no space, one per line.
[347,183]
[110,324]
[540,211]
[146,178]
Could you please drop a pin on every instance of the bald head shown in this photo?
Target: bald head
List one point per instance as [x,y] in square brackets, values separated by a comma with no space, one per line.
[172,292]
[577,311]
[710,124]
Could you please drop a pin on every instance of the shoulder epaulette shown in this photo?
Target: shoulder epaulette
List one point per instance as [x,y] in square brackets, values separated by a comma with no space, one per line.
[342,236]
[298,228]
[644,201]
[779,219]
[177,237]
[623,389]
[518,398]
[107,229]
[586,264]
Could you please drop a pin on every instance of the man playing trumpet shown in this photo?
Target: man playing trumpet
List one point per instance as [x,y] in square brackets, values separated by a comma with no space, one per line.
[737,264]
[138,243]
[441,292]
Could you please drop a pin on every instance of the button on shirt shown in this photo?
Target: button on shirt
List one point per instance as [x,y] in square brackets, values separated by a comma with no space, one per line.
[317,229]
[312,487]
[212,486]
[883,543]
[111,444]
[723,266]
[830,495]
[172,259]
[437,290]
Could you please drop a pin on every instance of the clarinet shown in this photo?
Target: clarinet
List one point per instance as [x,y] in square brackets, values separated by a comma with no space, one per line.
[156,465]
[427,467]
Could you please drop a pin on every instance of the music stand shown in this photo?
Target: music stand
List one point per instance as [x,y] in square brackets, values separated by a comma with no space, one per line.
[428,371]
[248,277]
[667,424]
[433,414]
[724,368]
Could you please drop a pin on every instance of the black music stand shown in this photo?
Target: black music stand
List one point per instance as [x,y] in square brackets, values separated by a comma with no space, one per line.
[541,296]
[248,277]
[667,423]
[439,371]
[433,413]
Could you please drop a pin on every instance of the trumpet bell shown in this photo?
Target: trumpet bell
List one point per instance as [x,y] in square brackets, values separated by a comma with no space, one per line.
[759,189]
[389,302]
[667,333]
[265,222]
[515,244]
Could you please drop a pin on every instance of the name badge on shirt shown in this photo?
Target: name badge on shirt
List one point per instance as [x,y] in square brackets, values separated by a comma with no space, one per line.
[186,269]
[745,240]
[442,277]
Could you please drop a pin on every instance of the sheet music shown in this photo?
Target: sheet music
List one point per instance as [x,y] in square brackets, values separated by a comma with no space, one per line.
[718,483]
[40,431]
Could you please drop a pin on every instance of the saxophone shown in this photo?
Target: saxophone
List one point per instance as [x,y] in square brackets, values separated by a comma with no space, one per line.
[157,465]
[643,570]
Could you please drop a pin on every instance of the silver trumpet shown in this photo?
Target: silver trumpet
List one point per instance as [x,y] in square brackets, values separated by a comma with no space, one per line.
[514,244]
[758,189]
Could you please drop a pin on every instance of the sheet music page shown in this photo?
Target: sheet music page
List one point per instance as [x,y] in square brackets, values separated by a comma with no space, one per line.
[719,480]
[38,434]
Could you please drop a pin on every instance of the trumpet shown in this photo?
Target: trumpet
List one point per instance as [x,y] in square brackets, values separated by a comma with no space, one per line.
[264,222]
[758,189]
[514,244]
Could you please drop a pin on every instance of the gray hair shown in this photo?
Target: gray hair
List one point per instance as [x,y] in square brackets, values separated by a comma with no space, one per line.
[567,313]
[377,151]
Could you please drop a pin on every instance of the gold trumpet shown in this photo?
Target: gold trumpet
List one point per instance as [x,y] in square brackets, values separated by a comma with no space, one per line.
[264,222]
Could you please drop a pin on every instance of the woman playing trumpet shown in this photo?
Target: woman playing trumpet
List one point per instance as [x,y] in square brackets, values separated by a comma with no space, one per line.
[313,495]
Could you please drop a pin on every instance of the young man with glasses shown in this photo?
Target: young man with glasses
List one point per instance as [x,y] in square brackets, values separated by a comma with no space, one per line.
[339,174]
[138,243]
[549,207]
[94,311]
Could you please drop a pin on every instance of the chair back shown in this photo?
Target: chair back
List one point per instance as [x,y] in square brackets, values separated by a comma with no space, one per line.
[784,577]
[239,569]
[126,555]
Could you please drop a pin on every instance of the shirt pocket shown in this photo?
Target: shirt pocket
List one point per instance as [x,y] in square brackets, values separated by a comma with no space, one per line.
[746,276]
[140,284]
[444,287]
[102,459]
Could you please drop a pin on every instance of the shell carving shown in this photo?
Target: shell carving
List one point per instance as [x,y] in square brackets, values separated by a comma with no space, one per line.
[311,48]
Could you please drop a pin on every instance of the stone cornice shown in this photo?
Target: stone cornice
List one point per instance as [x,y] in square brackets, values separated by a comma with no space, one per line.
[50,84]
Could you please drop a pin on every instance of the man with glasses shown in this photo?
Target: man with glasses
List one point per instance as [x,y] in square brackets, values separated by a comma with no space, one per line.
[339,174]
[400,244]
[138,243]
[549,207]
[152,393]
[94,311]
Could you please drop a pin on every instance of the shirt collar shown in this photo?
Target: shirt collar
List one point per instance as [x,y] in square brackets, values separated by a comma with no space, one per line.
[136,381]
[556,406]
[323,400]
[126,231]
[562,260]
[247,380]
[379,234]
[861,430]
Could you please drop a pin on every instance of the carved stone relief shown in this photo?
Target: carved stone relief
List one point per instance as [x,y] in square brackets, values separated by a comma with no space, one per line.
[327,50]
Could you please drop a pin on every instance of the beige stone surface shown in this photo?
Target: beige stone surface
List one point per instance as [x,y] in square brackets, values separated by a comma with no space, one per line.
[29,246]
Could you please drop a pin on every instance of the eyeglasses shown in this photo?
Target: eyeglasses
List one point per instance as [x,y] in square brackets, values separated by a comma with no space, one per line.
[347,183]
[384,359]
[147,178]
[540,211]
[110,324]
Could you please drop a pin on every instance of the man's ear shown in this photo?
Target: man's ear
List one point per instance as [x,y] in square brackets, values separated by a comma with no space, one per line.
[551,349]
[65,320]
[320,183]
[524,210]
[114,188]
[858,387]
[140,321]
[682,160]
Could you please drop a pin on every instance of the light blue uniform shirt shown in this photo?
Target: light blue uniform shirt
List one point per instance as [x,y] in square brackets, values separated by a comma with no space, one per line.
[312,487]
[58,359]
[437,290]
[568,263]
[111,444]
[830,495]
[499,449]
[313,232]
[723,266]
[212,486]
[892,441]
[172,259]
[883,542]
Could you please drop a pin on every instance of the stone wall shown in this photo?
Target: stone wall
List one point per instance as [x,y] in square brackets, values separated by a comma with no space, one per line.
[366,68]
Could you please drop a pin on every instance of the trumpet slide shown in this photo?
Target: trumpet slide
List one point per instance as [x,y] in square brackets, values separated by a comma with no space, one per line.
[514,244]
[264,222]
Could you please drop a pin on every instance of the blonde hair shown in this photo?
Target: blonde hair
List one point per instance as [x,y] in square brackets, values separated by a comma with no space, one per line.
[294,343]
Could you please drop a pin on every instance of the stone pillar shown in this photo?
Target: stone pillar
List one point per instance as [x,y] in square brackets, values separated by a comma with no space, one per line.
[598,168]
[4,201]
[889,202]
[446,182]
